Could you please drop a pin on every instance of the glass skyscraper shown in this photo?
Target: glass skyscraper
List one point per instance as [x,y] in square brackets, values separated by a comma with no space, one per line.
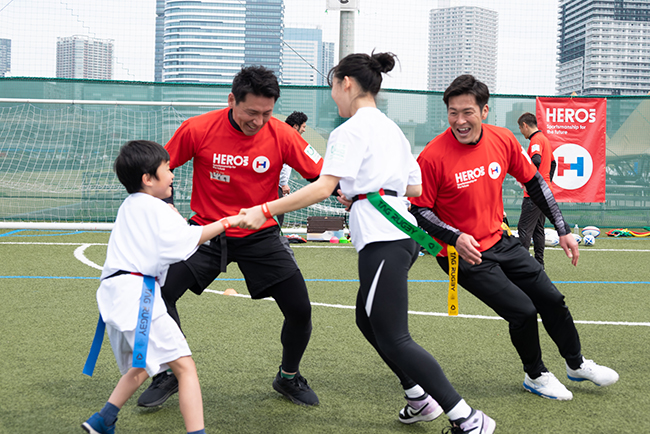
[604,47]
[208,41]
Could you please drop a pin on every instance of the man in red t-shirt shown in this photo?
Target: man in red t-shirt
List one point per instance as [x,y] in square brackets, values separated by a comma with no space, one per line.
[531,220]
[237,154]
[462,205]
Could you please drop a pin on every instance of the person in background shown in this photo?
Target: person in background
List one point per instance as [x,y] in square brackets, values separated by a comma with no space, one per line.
[531,220]
[297,121]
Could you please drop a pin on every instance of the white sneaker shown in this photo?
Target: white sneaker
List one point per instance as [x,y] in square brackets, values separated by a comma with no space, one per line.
[589,370]
[547,386]
[424,409]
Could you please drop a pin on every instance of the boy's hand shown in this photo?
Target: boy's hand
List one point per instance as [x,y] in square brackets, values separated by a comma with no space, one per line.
[235,220]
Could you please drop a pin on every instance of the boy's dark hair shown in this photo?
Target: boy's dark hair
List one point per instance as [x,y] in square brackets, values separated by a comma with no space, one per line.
[529,119]
[467,85]
[136,158]
[366,69]
[296,118]
[257,80]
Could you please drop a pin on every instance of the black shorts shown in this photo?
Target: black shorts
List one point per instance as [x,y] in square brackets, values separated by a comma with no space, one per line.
[264,257]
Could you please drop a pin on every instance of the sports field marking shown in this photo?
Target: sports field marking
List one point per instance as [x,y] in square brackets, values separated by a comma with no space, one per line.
[80,250]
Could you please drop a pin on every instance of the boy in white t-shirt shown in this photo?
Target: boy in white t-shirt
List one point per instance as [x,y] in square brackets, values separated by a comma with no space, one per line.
[148,236]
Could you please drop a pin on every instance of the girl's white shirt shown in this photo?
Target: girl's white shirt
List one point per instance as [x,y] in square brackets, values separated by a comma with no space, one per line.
[369,152]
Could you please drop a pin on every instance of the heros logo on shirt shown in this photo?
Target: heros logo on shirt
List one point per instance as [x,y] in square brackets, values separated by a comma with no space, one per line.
[226,160]
[467,177]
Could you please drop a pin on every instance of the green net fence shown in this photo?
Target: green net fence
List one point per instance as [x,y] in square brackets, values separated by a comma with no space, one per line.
[56,158]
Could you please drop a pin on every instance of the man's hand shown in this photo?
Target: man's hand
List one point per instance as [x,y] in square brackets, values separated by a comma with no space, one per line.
[252,218]
[467,248]
[343,200]
[285,189]
[570,247]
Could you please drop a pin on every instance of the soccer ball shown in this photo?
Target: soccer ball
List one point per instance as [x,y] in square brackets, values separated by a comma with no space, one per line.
[578,238]
[589,240]
[591,230]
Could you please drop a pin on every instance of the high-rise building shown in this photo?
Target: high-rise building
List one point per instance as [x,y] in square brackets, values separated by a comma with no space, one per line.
[302,56]
[210,40]
[5,56]
[462,40]
[264,34]
[84,57]
[327,62]
[604,47]
[159,41]
[203,40]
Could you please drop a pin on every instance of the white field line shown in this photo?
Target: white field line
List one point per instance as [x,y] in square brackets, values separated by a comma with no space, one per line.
[79,254]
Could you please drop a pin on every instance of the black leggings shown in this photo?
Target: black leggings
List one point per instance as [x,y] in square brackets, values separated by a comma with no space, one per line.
[290,295]
[516,287]
[382,317]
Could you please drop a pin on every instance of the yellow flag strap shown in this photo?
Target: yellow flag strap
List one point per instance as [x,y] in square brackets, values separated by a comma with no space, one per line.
[452,295]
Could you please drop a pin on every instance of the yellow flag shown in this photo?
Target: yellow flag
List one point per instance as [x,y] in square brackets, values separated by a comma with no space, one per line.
[452,296]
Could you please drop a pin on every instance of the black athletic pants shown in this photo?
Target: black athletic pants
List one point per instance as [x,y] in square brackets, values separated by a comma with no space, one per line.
[516,287]
[531,225]
[263,258]
[382,317]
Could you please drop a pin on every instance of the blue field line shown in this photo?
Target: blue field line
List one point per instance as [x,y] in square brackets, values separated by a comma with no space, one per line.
[13,233]
[347,280]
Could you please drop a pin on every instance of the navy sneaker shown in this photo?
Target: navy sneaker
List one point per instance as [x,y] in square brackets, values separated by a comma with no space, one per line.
[96,425]
[296,389]
[162,387]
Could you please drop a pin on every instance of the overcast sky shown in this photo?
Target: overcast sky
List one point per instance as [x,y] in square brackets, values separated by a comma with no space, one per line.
[527,42]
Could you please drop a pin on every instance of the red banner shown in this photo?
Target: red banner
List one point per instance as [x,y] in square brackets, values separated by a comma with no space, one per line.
[576,129]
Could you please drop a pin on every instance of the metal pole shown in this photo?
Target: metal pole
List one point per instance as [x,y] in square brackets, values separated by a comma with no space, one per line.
[346,34]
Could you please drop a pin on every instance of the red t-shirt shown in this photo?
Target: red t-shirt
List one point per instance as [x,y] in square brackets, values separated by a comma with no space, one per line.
[539,144]
[233,170]
[462,184]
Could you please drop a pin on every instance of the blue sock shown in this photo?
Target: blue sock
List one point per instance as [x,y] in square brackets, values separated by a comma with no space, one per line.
[109,413]
[201,431]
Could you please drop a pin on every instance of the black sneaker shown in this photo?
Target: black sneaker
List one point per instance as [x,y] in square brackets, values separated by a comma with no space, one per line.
[162,387]
[296,389]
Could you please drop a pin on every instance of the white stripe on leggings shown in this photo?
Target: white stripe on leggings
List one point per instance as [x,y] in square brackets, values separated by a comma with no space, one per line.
[373,288]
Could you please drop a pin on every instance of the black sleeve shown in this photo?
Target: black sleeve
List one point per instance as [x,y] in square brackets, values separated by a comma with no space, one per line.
[537,160]
[553,166]
[542,196]
[434,226]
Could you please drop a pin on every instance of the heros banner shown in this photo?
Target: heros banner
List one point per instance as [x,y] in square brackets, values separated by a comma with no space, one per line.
[576,129]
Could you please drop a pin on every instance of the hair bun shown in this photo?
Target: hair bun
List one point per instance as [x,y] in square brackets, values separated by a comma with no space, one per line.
[383,62]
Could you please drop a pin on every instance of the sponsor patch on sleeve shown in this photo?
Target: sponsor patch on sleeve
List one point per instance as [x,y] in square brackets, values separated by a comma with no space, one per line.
[535,148]
[312,153]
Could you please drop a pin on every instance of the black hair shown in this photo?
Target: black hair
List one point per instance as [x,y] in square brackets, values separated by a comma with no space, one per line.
[136,158]
[467,85]
[529,119]
[365,69]
[296,118]
[258,80]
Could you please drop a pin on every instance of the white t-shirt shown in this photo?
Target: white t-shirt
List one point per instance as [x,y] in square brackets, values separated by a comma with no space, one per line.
[369,152]
[147,238]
